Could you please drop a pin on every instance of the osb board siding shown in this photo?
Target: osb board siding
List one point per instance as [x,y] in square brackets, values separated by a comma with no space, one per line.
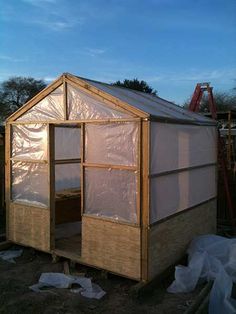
[111,246]
[30,226]
[168,241]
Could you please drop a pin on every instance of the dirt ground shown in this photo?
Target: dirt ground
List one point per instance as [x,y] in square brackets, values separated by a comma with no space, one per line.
[16,297]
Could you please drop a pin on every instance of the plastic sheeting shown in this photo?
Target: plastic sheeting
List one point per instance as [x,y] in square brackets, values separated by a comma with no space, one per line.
[29,141]
[111,193]
[114,144]
[211,257]
[81,105]
[178,191]
[62,281]
[30,183]
[9,255]
[176,146]
[67,176]
[49,108]
[154,105]
[67,143]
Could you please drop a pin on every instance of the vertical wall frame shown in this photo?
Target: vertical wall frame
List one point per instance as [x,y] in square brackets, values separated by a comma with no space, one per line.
[145,198]
[51,182]
[82,156]
[65,98]
[7,173]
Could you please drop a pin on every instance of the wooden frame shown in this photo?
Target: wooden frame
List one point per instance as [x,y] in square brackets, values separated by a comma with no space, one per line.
[134,169]
[51,182]
[137,237]
[145,200]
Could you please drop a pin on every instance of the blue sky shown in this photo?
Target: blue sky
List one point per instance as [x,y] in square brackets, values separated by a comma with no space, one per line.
[171,44]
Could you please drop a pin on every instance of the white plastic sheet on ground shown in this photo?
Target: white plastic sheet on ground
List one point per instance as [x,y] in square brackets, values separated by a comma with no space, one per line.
[211,257]
[9,255]
[62,281]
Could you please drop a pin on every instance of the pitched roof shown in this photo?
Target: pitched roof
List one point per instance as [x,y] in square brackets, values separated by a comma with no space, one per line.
[157,107]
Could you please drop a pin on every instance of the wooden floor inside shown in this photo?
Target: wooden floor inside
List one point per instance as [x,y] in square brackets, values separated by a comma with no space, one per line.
[69,247]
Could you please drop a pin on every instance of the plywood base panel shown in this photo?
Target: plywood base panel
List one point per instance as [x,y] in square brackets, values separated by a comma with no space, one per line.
[111,246]
[29,226]
[169,240]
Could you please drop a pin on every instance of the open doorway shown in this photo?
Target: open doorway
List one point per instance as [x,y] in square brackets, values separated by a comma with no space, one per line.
[68,188]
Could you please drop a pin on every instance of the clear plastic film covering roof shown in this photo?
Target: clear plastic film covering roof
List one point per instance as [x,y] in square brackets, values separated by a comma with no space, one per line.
[49,108]
[155,106]
[111,193]
[82,106]
[29,141]
[113,143]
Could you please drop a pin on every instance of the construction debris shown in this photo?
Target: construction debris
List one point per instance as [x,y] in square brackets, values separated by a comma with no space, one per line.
[9,255]
[211,257]
[62,281]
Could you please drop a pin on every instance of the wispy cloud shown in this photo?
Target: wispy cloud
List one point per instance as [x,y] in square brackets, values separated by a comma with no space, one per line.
[57,25]
[50,15]
[195,75]
[49,79]
[11,59]
[40,3]
[93,52]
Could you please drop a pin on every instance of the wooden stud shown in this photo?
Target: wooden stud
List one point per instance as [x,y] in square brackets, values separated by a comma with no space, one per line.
[38,161]
[82,152]
[74,122]
[51,181]
[145,199]
[107,219]
[7,174]
[68,161]
[139,151]
[65,98]
[110,166]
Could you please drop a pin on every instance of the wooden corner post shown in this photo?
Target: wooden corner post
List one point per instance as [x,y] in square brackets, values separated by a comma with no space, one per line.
[51,182]
[145,153]
[7,174]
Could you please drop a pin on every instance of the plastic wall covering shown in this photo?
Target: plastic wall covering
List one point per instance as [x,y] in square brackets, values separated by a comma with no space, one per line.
[67,176]
[30,183]
[175,192]
[49,108]
[67,143]
[178,146]
[115,144]
[29,141]
[111,193]
[83,106]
